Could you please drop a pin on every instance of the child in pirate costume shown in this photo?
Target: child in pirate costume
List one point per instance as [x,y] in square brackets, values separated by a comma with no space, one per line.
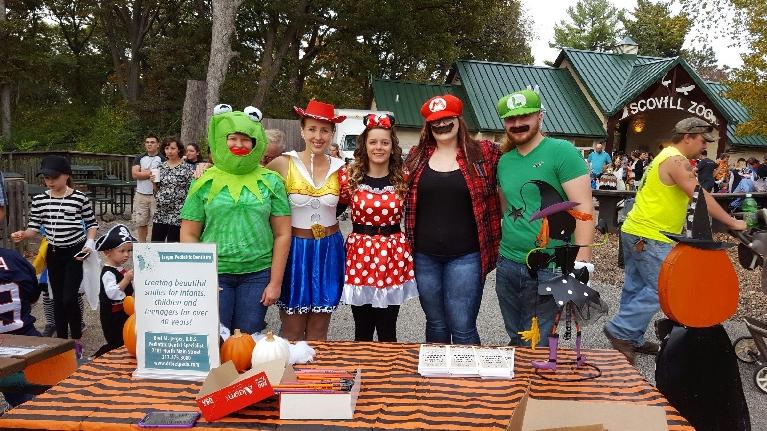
[242,207]
[315,271]
[116,284]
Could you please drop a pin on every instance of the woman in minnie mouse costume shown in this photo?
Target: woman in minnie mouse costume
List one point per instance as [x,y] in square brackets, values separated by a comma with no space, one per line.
[379,262]
[311,288]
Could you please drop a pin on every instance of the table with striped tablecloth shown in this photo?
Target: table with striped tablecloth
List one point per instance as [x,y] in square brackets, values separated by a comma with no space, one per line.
[103,396]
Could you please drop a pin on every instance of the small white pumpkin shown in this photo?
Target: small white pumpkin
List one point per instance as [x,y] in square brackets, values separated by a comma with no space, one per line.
[270,348]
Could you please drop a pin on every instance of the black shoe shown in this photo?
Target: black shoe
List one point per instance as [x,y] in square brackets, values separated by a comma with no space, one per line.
[648,348]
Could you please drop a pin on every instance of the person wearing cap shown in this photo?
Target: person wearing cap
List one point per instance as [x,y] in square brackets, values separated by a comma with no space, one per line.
[314,275]
[62,211]
[116,283]
[660,206]
[242,207]
[530,158]
[452,220]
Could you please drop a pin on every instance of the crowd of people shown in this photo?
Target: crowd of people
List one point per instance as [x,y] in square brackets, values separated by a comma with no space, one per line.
[430,226]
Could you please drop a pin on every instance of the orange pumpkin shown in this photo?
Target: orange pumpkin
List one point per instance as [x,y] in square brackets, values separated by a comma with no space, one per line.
[129,335]
[697,287]
[129,305]
[238,348]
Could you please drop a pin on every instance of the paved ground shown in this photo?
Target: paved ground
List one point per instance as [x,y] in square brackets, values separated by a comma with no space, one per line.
[411,326]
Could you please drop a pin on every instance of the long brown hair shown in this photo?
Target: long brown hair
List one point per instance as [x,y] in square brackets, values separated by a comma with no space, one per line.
[361,164]
[469,145]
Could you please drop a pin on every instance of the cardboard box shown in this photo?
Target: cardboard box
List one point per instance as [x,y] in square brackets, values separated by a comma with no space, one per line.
[560,415]
[319,406]
[225,391]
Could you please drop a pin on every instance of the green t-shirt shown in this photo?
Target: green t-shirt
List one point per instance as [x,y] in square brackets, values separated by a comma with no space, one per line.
[553,161]
[241,231]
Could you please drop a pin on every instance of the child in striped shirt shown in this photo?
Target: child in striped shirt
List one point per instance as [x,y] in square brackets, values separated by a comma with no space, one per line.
[63,212]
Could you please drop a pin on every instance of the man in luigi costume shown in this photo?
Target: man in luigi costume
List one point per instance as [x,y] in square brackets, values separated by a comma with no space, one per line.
[529,158]
[243,208]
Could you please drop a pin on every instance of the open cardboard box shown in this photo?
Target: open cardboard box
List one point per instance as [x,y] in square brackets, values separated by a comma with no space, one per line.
[225,391]
[561,415]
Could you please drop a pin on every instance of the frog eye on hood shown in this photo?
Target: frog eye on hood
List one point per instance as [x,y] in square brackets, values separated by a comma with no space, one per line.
[222,108]
[253,113]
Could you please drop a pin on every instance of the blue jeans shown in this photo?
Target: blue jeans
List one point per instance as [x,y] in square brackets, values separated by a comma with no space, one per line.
[450,290]
[239,300]
[519,300]
[639,298]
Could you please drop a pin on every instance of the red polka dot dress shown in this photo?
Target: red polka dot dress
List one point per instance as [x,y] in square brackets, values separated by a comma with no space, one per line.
[379,261]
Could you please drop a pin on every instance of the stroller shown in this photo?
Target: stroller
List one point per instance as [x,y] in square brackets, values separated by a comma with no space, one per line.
[753,348]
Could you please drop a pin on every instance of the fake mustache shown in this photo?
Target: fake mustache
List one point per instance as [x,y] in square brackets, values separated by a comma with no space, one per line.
[242,151]
[520,129]
[445,128]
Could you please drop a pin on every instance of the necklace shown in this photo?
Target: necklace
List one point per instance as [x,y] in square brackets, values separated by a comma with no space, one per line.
[59,213]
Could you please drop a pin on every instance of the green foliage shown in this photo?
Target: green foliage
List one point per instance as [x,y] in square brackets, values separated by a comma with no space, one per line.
[749,83]
[112,130]
[705,63]
[653,27]
[593,25]
[73,86]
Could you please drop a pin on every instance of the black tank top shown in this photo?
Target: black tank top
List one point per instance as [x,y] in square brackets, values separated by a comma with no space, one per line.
[444,223]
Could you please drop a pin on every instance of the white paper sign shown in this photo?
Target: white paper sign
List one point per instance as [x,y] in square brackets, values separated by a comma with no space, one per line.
[177,322]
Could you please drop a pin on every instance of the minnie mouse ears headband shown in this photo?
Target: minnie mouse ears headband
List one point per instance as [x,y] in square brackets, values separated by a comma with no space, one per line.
[384,121]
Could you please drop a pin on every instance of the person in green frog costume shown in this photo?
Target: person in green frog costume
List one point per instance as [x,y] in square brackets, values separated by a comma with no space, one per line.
[243,208]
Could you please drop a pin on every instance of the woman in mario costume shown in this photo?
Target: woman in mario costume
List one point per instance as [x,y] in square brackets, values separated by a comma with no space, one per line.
[379,262]
[452,219]
[314,276]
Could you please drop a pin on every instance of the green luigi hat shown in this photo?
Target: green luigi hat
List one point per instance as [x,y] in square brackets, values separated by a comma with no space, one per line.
[523,102]
[225,122]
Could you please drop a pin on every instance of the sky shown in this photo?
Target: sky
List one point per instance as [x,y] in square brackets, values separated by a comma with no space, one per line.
[547,13]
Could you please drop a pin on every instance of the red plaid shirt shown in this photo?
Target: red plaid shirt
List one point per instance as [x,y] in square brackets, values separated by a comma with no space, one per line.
[484,200]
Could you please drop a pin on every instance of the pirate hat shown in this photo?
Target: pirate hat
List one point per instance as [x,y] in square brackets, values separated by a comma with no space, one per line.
[698,228]
[115,237]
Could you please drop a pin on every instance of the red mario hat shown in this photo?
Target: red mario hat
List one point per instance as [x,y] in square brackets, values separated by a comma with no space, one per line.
[319,111]
[439,107]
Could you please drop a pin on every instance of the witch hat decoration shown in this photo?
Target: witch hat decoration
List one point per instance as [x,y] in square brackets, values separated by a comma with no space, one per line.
[698,227]
[559,223]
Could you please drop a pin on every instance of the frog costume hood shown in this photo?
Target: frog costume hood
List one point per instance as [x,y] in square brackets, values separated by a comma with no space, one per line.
[233,171]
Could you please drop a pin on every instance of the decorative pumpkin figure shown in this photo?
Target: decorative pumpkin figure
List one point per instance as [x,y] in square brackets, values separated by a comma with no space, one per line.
[129,335]
[129,305]
[238,348]
[697,285]
[270,348]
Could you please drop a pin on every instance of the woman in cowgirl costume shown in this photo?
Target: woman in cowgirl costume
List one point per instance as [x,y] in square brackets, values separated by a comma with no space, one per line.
[379,263]
[314,273]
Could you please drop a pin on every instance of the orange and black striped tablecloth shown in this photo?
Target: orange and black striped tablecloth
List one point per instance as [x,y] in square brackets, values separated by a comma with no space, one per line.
[102,395]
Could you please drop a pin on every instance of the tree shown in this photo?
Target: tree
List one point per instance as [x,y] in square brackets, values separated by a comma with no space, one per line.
[704,62]
[224,17]
[593,25]
[653,27]
[749,83]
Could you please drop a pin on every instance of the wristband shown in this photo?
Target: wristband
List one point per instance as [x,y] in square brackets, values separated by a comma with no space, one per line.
[91,244]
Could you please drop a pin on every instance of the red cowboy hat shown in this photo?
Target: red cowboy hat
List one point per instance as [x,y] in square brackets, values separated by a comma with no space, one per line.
[319,111]
[439,107]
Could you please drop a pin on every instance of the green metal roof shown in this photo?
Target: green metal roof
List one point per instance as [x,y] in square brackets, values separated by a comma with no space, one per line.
[739,113]
[615,79]
[603,73]
[568,113]
[405,98]
[642,75]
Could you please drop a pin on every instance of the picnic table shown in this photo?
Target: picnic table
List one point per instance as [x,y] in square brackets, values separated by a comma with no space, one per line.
[44,362]
[110,196]
[103,395]
[609,199]
[87,172]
